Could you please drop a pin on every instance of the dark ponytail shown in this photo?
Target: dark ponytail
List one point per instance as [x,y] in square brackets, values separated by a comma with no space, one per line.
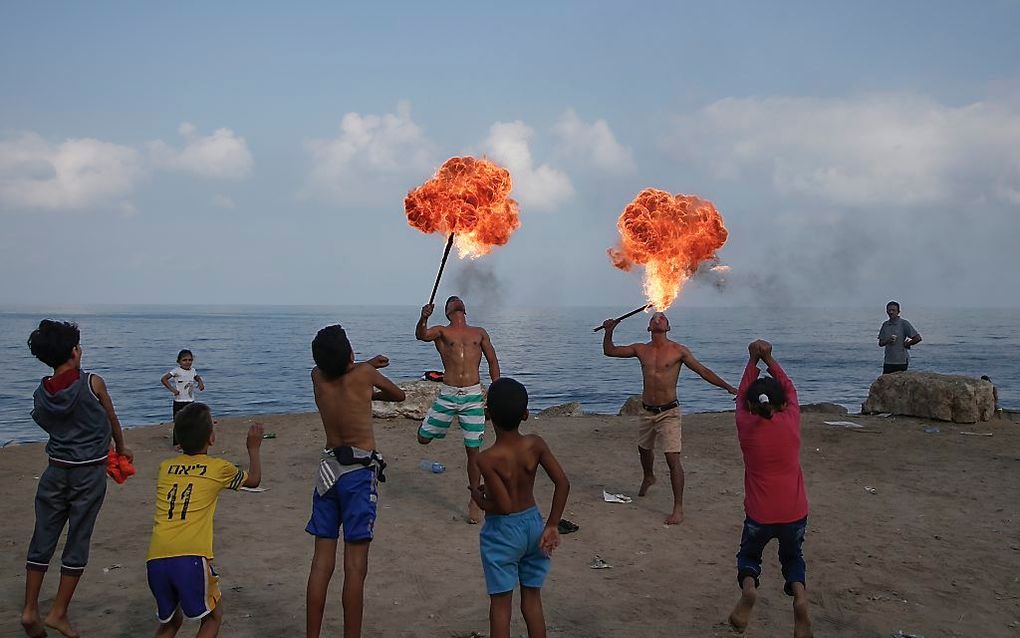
[765,397]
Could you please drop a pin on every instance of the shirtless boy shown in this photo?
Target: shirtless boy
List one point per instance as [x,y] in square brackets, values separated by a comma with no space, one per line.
[345,484]
[461,348]
[515,542]
[661,360]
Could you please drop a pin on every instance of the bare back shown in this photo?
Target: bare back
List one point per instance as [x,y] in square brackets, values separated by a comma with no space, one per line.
[514,461]
[660,370]
[345,406]
[460,348]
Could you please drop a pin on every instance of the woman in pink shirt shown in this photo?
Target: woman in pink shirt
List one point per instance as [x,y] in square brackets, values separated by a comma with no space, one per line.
[775,502]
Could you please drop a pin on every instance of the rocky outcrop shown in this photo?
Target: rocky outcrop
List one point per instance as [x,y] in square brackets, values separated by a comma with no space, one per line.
[931,396]
[824,408]
[420,395]
[632,407]
[567,409]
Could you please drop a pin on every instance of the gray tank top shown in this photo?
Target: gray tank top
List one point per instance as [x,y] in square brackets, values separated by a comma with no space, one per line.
[75,420]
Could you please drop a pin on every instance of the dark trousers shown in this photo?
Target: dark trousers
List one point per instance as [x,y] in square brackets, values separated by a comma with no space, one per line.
[894,367]
[68,496]
[756,536]
[178,406]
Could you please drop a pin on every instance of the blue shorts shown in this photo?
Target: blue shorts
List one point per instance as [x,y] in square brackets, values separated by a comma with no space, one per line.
[753,539]
[188,582]
[510,552]
[350,503]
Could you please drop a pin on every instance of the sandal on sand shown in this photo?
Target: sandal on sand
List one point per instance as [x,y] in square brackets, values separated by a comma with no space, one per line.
[566,527]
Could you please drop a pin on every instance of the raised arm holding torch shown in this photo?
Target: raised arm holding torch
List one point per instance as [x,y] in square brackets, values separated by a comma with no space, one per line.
[629,314]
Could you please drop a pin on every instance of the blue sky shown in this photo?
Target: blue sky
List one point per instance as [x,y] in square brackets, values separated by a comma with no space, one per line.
[256,153]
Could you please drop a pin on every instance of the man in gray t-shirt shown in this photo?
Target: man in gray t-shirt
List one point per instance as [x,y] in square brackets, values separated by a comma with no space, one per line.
[896,336]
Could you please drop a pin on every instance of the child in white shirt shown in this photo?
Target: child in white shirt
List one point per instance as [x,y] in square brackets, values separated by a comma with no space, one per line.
[184,381]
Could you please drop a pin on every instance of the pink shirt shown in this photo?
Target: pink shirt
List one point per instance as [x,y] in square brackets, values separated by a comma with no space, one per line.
[773,482]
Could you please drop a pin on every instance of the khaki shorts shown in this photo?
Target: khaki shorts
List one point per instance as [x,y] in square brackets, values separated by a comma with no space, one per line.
[663,427]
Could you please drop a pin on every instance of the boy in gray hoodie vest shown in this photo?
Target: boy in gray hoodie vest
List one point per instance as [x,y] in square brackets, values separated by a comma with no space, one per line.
[76,411]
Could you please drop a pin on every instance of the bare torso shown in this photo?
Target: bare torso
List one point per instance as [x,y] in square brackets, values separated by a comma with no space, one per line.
[345,406]
[460,347]
[660,370]
[515,460]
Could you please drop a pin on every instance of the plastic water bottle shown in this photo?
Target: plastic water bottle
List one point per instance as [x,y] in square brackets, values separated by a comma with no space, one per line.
[432,466]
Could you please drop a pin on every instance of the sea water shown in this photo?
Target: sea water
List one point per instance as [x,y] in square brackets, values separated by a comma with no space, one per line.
[256,360]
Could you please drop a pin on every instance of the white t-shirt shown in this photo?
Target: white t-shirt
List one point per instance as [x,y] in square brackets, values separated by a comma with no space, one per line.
[184,382]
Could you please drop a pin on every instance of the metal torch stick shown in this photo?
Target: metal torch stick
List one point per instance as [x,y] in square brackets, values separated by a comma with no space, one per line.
[442,264]
[629,314]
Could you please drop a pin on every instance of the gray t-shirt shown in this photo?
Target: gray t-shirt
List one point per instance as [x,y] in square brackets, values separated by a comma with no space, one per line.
[895,353]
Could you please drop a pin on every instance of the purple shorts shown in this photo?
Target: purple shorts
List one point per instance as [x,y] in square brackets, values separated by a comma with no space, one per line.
[188,582]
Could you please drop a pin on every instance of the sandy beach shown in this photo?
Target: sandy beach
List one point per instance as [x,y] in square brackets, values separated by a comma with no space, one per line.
[933,550]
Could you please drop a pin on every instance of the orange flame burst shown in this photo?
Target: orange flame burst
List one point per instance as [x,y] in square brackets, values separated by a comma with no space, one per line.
[670,235]
[469,197]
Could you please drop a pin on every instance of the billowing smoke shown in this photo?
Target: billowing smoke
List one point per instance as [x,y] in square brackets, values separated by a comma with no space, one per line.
[477,284]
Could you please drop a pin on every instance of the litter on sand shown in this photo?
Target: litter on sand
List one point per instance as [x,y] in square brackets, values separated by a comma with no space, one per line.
[870,490]
[106,570]
[844,424]
[566,527]
[932,429]
[976,433]
[903,634]
[253,489]
[615,498]
[598,563]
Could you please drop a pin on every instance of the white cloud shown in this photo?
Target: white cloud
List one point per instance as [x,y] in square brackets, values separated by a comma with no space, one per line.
[874,150]
[374,158]
[221,155]
[75,174]
[593,143]
[536,187]
[223,201]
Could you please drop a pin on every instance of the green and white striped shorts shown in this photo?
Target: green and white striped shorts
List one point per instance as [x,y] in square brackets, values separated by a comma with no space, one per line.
[466,404]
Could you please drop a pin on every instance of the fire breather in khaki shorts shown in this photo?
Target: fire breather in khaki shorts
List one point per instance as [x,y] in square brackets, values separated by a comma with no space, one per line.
[660,430]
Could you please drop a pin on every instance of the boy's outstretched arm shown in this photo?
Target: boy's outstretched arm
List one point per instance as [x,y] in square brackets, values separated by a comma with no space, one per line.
[386,390]
[99,387]
[491,495]
[254,443]
[561,488]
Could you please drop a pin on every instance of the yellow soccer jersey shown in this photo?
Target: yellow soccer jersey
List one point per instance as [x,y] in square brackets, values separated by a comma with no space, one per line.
[186,493]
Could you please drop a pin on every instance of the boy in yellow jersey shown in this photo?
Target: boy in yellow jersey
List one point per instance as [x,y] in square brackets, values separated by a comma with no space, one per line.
[180,573]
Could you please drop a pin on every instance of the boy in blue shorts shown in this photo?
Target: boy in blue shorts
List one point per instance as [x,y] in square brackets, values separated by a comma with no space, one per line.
[345,491]
[515,543]
[179,564]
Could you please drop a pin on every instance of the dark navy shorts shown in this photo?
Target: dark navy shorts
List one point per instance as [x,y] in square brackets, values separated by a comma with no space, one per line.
[350,503]
[188,582]
[753,539]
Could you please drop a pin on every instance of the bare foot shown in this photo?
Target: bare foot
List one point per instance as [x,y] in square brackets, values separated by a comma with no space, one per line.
[802,619]
[33,626]
[675,518]
[645,484]
[61,624]
[741,614]
[474,513]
